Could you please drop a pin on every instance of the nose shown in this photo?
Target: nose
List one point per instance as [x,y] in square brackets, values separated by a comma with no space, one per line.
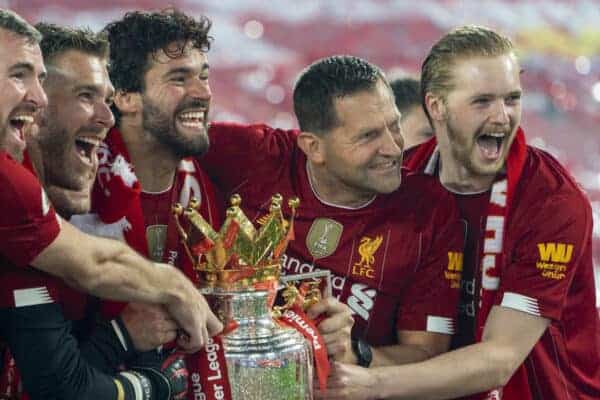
[392,143]
[36,95]
[103,115]
[500,113]
[199,89]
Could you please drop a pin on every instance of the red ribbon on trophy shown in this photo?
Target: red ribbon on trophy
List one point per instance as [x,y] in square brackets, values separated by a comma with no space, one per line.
[297,319]
[211,382]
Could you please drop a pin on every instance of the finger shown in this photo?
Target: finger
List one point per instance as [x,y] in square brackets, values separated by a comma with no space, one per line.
[186,345]
[168,336]
[168,325]
[214,326]
[336,322]
[319,308]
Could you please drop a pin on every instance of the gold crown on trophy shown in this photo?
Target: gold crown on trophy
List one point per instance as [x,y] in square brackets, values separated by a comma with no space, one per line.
[238,255]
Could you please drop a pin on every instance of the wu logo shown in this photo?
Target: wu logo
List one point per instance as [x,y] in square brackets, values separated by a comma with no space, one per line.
[555,252]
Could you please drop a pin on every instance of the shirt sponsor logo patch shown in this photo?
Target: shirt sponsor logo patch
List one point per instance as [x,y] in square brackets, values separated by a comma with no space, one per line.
[361,300]
[553,259]
[455,267]
[367,249]
[323,237]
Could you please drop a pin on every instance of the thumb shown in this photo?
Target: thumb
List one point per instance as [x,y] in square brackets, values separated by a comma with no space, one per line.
[213,325]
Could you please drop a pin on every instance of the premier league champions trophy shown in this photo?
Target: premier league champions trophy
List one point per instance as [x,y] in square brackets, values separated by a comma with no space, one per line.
[239,267]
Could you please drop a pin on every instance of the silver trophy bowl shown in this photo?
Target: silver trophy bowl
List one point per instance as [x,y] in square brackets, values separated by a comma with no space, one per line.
[265,361]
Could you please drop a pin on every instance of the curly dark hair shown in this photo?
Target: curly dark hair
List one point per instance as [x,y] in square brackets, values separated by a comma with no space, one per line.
[324,81]
[58,39]
[138,35]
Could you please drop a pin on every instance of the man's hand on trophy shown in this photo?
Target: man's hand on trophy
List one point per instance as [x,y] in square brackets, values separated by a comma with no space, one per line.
[335,326]
[149,326]
[191,312]
[350,382]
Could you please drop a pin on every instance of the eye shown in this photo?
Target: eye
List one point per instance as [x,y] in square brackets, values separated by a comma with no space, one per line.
[481,101]
[87,96]
[513,99]
[18,75]
[178,79]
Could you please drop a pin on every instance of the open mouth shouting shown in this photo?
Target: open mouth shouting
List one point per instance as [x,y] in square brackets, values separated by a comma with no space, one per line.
[86,148]
[18,124]
[491,145]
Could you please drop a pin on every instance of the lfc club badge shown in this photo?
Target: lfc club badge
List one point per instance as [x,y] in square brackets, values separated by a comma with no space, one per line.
[323,237]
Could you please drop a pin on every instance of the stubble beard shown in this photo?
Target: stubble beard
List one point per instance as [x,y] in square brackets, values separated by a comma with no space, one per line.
[163,129]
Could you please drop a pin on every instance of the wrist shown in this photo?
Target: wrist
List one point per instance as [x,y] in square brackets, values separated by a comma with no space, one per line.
[362,352]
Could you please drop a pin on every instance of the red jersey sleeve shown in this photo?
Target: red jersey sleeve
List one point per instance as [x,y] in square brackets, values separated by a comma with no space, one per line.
[28,223]
[546,255]
[430,302]
[239,153]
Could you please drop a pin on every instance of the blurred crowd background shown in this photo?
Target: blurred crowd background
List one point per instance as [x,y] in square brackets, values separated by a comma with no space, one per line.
[260,47]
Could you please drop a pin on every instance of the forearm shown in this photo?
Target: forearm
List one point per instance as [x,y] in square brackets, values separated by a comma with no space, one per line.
[398,354]
[108,269]
[472,369]
[108,347]
[48,357]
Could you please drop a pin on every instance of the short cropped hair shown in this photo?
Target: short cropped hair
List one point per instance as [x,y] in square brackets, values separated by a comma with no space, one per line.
[13,22]
[138,35]
[326,80]
[460,43]
[59,39]
[407,93]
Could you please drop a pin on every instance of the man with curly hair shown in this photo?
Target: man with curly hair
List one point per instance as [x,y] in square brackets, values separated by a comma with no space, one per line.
[159,67]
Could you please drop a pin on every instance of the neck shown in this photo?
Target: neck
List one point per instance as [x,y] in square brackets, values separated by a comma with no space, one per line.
[459,179]
[333,192]
[155,165]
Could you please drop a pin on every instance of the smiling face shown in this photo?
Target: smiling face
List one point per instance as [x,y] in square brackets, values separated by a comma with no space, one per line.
[21,74]
[482,114]
[76,120]
[363,152]
[176,101]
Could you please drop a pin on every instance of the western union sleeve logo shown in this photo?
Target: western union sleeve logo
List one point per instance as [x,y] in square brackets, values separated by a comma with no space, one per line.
[555,252]
[455,267]
[553,257]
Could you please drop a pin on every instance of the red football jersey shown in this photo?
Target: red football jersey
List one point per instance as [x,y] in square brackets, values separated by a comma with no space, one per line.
[547,271]
[28,223]
[396,262]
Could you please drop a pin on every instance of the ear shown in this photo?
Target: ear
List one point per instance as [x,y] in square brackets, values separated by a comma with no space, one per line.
[313,146]
[128,102]
[435,106]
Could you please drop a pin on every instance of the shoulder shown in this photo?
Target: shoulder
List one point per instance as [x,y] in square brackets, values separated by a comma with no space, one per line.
[424,196]
[544,180]
[250,130]
[21,191]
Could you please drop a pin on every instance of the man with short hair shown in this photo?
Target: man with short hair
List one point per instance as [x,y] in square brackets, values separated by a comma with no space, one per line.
[32,234]
[394,254]
[528,324]
[51,361]
[416,128]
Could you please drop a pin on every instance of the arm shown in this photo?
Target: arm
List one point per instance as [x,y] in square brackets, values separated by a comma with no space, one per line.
[254,151]
[412,346]
[110,269]
[48,357]
[508,338]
